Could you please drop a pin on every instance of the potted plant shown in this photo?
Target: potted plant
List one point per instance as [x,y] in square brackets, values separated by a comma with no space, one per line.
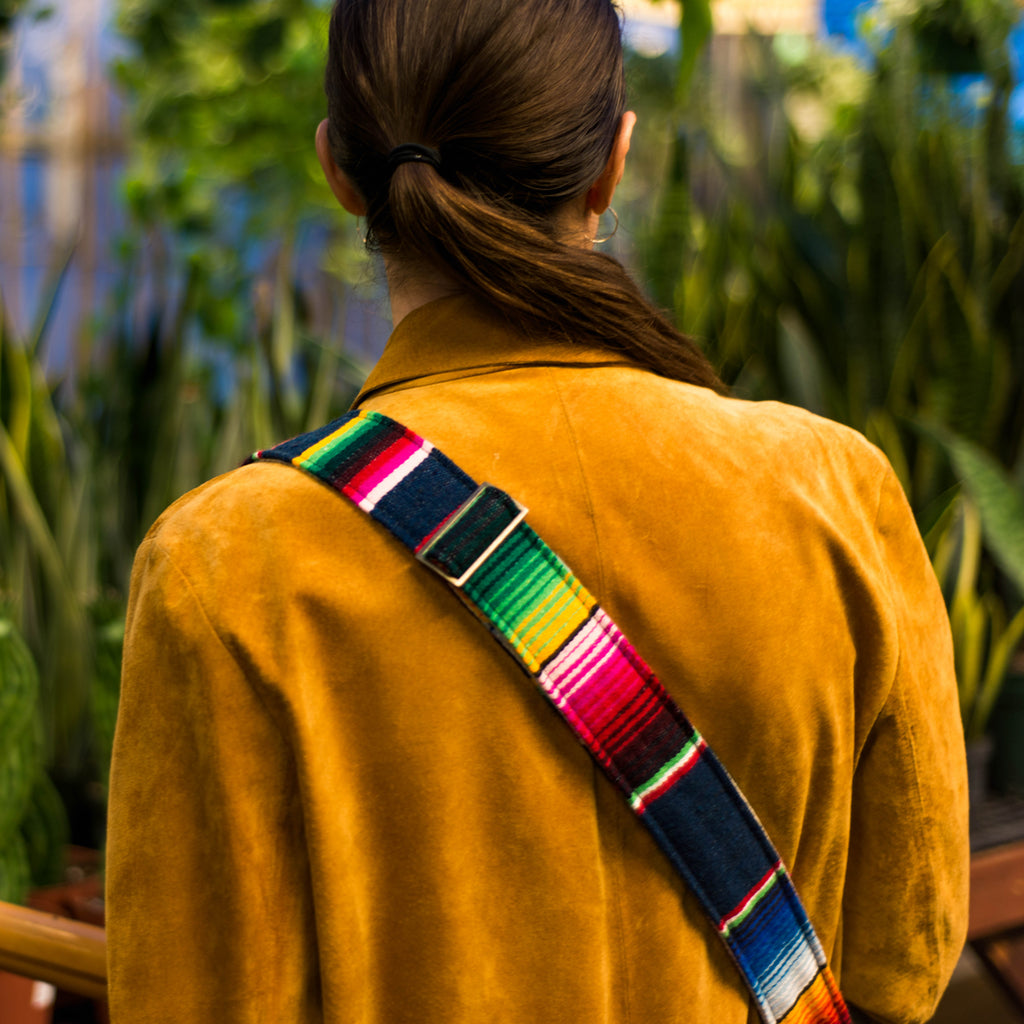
[977,550]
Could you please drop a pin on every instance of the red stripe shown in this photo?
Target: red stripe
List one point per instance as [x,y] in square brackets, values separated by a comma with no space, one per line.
[750,895]
[675,775]
[357,484]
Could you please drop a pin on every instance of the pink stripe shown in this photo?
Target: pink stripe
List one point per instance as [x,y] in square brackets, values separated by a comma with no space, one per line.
[390,459]
[594,679]
[639,717]
[601,701]
[647,698]
[619,682]
[574,665]
[579,726]
[590,650]
[601,661]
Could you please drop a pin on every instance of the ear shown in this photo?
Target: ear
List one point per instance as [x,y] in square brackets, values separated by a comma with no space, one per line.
[341,185]
[599,197]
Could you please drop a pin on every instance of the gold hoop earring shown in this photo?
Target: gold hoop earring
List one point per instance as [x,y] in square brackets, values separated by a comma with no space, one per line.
[611,234]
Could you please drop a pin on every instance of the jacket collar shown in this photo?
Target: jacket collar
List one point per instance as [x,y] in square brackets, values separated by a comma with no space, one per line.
[458,336]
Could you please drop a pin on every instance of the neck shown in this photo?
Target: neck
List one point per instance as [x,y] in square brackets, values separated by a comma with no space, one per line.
[412,287]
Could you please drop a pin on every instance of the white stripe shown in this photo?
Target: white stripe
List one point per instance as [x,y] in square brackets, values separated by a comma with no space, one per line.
[753,898]
[568,659]
[666,780]
[585,671]
[566,664]
[395,477]
[793,970]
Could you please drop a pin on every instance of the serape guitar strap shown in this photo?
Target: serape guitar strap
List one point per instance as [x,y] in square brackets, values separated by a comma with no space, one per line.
[475,538]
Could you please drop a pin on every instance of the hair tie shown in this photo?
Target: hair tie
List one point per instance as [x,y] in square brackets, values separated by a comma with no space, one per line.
[413,152]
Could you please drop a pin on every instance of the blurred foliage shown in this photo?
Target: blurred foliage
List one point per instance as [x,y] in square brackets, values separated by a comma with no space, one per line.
[842,236]
[47,555]
[86,469]
[10,11]
[224,97]
[224,93]
[206,351]
[958,36]
[849,236]
[985,636]
[33,826]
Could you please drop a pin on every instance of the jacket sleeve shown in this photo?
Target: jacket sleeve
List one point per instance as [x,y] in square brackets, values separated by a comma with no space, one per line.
[209,915]
[905,899]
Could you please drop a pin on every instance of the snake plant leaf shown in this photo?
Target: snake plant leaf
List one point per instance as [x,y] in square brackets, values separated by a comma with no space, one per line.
[800,361]
[695,29]
[1000,501]
[1004,644]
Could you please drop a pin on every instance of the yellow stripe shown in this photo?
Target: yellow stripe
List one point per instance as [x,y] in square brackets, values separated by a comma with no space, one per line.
[545,630]
[326,442]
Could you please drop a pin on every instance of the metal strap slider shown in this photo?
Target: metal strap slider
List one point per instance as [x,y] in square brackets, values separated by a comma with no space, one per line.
[457,549]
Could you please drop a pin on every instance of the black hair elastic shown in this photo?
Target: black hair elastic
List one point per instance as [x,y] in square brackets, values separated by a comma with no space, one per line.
[413,152]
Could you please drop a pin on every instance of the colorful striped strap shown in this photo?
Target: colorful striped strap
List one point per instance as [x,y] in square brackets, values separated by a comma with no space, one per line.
[476,538]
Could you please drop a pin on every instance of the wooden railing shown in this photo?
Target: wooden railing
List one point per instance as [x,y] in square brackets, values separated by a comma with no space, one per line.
[68,954]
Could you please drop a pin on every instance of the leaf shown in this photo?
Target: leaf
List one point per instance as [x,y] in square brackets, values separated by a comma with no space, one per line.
[999,501]
[695,29]
[800,362]
[33,519]
[1003,646]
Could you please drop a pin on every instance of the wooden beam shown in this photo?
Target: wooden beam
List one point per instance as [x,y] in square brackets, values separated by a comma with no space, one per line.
[997,891]
[68,954]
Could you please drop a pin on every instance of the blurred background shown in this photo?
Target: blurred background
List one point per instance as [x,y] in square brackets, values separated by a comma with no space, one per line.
[827,194]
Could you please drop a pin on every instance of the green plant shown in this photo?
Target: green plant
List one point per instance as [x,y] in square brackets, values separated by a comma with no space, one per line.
[33,828]
[850,238]
[985,637]
[47,555]
[84,472]
[223,180]
[169,392]
[981,589]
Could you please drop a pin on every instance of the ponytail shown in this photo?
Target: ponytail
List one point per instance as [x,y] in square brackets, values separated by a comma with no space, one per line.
[507,93]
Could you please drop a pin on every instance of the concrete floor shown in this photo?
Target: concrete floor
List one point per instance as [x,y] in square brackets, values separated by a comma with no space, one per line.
[973,997]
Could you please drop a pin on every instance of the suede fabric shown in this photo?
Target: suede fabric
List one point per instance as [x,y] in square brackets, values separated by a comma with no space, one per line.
[335,798]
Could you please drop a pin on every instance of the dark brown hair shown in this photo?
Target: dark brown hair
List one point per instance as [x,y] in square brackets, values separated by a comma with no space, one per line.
[522,99]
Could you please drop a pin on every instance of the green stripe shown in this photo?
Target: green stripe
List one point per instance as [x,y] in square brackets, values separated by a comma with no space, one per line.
[554,582]
[508,579]
[659,775]
[362,433]
[570,588]
[519,582]
[754,904]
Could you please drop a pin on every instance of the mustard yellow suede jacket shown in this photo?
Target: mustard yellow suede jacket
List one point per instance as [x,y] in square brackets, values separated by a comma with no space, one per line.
[335,798]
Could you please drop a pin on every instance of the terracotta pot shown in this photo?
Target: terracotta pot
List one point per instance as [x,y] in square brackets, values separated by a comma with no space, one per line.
[24,1001]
